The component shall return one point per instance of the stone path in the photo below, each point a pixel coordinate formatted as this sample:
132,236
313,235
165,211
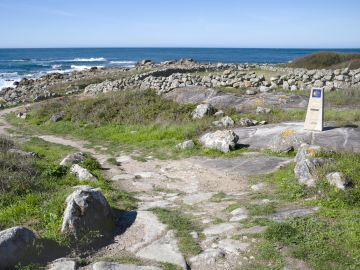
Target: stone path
203,189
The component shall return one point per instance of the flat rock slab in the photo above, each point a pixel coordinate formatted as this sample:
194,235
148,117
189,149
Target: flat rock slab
63,264
341,138
164,250
117,266
198,197
145,229
154,204
124,176
290,213
232,246
245,166
220,100
218,229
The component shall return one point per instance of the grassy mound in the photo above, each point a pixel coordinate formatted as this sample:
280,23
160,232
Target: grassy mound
329,60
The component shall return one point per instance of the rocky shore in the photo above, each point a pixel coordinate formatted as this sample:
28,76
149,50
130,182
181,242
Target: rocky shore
170,75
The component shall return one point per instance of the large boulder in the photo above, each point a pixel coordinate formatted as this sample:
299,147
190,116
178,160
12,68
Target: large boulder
222,140
306,164
81,173
17,245
202,110
87,210
74,158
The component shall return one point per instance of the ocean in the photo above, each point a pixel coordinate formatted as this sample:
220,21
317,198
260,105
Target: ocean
16,64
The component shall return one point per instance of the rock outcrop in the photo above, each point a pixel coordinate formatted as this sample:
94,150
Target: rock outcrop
222,140
186,144
87,210
202,110
17,245
74,158
81,173
339,180
306,164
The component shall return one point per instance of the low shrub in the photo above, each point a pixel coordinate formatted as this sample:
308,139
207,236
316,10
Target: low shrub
327,60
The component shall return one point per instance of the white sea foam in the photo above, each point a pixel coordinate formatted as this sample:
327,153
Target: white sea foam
92,59
56,66
80,68
7,79
6,83
56,71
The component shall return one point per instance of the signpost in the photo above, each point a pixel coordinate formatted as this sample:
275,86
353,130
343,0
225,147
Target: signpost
315,113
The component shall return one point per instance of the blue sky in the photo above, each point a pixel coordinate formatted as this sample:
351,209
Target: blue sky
185,23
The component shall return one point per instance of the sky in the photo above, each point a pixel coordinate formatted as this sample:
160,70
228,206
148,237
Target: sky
185,23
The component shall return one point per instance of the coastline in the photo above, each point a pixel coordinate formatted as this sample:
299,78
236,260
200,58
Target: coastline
169,75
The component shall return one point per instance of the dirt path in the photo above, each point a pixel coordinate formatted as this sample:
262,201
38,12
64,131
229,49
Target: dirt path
215,193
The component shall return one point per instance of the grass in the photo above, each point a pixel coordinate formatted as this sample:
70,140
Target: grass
183,226
261,209
324,243
52,184
128,121
330,238
329,60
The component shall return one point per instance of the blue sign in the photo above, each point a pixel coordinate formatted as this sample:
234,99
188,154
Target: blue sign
316,93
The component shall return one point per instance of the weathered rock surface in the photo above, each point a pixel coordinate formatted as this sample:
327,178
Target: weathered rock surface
233,246
118,266
164,250
202,110
337,138
63,264
291,213
209,256
57,117
339,180
186,144
244,166
222,140
17,245
238,214
218,229
87,210
306,164
74,158
81,173
226,121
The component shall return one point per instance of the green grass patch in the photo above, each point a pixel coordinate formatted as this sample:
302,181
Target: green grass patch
261,209
323,242
327,60
183,226
41,204
287,186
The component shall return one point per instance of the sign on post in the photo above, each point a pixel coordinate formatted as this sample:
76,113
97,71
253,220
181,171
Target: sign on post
315,113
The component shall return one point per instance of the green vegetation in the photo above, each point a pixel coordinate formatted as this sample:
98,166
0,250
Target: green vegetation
329,239
182,226
129,121
31,185
261,209
330,60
